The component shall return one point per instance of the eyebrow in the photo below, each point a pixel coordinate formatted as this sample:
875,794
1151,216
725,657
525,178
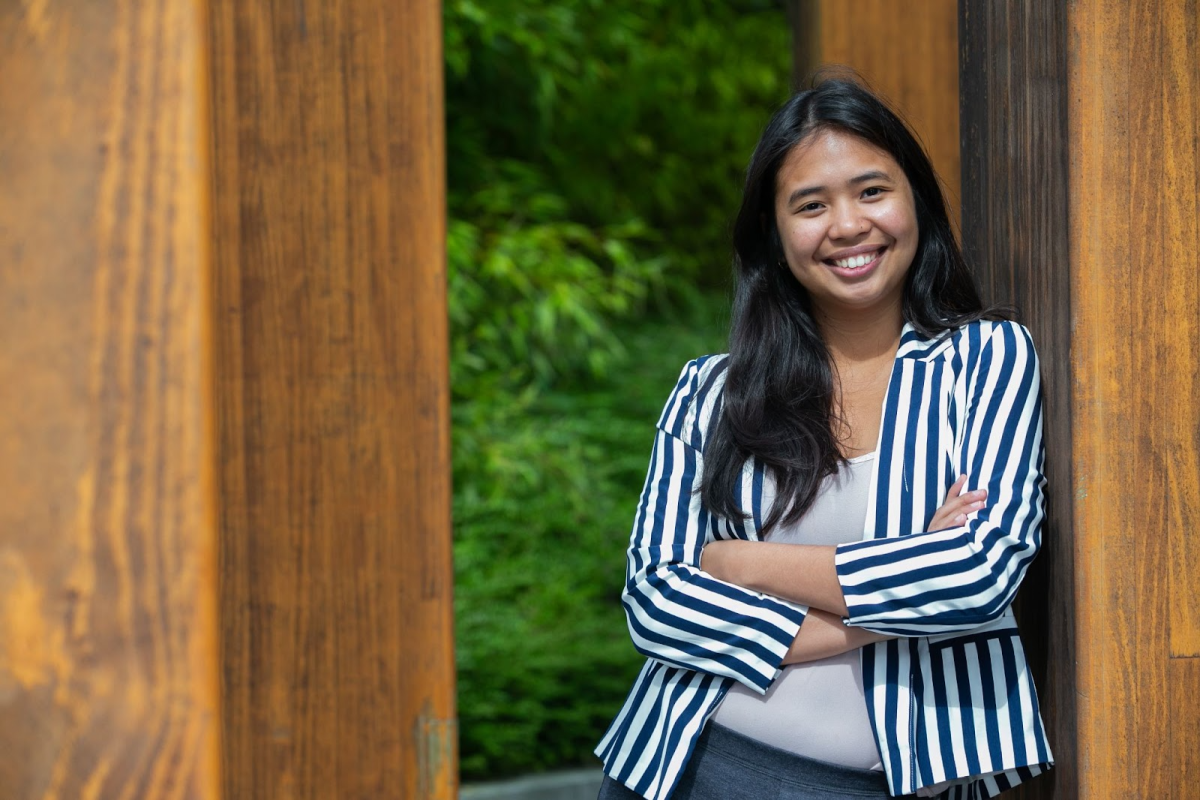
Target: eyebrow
873,175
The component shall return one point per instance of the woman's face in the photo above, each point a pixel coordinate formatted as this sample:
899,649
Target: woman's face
846,216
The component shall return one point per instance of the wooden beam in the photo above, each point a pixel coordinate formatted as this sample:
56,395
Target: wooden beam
1080,121
1134,71
108,627
332,391
1015,215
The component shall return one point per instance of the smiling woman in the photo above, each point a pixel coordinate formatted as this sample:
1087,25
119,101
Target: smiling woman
848,224
862,477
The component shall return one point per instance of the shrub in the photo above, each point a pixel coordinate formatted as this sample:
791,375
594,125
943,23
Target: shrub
595,155
542,519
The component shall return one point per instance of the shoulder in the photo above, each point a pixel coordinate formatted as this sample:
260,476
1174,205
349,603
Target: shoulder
968,345
696,397
990,336
991,330
1000,351
984,347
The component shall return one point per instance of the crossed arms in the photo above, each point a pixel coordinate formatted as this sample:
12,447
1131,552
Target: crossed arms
754,606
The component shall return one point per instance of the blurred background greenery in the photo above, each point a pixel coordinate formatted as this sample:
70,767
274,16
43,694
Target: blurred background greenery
595,152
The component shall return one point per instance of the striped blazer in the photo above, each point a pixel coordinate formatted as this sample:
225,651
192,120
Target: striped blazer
951,700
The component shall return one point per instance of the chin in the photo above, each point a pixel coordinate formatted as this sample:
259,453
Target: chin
863,303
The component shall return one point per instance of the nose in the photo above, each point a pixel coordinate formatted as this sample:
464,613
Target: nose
848,222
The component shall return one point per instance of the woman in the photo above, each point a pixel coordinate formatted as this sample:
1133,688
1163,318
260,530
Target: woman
801,642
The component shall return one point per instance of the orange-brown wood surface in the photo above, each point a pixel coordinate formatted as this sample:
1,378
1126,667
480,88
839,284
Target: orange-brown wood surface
907,50
108,648
1184,677
1134,183
332,391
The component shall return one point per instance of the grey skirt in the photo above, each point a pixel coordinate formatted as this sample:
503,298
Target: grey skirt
729,766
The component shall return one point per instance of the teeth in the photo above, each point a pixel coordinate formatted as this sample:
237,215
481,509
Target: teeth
855,261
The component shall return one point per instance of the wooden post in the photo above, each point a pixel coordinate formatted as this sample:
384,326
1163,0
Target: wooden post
283,395
332,398
1015,224
907,50
1082,205
108,627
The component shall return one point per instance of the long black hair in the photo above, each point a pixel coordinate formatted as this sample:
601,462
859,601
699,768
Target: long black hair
778,402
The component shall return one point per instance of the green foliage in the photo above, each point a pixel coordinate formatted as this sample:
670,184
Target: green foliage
543,508
626,111
595,154
532,293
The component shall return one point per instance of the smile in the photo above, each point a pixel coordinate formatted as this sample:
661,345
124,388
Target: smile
856,263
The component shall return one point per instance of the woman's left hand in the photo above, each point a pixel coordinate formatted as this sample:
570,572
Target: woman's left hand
957,506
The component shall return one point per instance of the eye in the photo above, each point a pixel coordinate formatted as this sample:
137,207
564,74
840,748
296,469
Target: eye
809,208
873,191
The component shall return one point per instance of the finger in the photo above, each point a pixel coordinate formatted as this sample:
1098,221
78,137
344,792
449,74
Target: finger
954,513
946,519
966,506
960,503
968,498
952,508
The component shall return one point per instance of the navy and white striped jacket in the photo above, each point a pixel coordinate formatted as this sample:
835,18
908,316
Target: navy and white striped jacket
952,700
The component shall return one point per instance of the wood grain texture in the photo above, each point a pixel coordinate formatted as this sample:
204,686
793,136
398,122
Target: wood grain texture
1181,167
907,50
1184,676
1105,273
332,389
1136,316
1015,221
108,648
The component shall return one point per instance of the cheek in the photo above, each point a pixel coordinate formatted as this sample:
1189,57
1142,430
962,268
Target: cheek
799,238
899,222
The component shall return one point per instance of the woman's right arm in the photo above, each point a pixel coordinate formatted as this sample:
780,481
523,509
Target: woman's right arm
823,633
676,612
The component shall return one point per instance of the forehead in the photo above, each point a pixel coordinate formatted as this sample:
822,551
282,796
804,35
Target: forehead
831,158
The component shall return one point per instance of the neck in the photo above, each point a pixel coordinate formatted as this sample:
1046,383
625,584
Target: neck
855,338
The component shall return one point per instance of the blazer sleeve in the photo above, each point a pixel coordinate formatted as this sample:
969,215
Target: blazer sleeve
676,612
959,578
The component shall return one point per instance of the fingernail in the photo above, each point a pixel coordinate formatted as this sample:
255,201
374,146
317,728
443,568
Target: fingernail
960,519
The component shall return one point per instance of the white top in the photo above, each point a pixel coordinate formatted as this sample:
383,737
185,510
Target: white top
818,709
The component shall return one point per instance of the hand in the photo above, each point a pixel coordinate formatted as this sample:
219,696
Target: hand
957,506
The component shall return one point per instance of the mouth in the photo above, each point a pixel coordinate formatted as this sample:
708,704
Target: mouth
856,264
